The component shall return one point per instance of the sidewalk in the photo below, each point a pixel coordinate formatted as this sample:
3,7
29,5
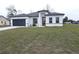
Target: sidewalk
7,28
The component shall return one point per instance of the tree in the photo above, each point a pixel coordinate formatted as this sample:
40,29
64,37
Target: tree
11,11
71,21
19,12
78,21
49,8
65,19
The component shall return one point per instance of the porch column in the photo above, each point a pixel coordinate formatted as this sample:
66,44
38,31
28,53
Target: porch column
26,22
11,22
54,20
40,20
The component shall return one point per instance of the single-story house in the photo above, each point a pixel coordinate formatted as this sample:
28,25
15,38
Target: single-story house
40,19
67,23
75,22
4,21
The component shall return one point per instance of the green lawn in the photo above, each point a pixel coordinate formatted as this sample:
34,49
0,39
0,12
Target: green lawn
45,40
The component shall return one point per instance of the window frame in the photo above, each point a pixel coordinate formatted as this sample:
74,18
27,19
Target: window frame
57,19
50,20
1,22
35,20
5,22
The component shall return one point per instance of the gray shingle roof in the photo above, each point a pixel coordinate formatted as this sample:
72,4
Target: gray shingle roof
54,14
36,14
20,15
43,11
4,17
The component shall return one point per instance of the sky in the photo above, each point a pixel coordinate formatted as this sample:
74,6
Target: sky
69,7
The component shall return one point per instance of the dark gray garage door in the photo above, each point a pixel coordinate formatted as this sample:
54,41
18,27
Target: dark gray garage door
18,22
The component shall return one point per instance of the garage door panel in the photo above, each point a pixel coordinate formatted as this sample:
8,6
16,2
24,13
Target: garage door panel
18,22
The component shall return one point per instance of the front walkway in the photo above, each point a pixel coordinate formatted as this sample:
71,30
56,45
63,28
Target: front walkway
7,28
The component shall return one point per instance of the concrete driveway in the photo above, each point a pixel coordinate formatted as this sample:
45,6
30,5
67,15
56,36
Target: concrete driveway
7,28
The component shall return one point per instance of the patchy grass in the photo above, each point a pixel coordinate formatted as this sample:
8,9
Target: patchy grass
46,40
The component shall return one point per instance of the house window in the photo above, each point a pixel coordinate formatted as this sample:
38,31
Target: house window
2,22
5,22
50,20
34,21
57,19
43,21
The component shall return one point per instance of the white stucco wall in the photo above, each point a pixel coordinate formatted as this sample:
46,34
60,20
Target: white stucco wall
41,14
54,21
11,22
27,22
31,21
4,21
39,20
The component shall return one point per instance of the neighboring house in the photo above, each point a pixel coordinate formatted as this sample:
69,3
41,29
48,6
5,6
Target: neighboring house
75,22
3,21
40,19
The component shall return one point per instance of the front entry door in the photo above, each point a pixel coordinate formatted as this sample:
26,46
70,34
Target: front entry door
43,21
